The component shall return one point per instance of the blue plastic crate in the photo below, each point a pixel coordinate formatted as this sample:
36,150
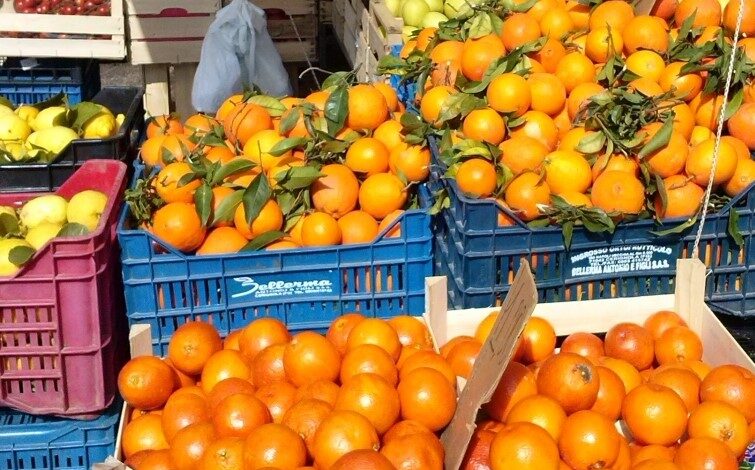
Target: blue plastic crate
305,288
41,442
407,91
482,258
79,79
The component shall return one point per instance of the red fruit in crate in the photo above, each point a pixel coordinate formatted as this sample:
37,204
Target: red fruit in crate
146,382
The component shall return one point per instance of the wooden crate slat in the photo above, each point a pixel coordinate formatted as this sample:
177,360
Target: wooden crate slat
155,7
164,52
73,24
295,51
114,48
385,18
291,7
306,26
159,28
380,44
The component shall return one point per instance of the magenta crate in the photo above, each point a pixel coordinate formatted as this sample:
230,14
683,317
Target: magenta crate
57,314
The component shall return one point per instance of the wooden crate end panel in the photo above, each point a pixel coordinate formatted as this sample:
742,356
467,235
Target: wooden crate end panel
156,7
291,7
295,51
164,52
385,18
306,27
111,49
169,28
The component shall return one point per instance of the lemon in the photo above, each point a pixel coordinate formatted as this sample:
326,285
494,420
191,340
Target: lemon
6,245
50,208
53,139
41,234
5,110
50,117
86,207
100,126
15,148
13,127
8,210
27,113
119,119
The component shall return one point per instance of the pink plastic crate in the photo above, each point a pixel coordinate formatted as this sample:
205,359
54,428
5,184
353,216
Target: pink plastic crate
57,315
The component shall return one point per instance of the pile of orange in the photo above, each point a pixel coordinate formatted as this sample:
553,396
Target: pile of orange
563,410
362,191
530,115
370,394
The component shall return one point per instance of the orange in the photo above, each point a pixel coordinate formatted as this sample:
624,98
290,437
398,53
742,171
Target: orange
661,321
615,14
579,12
678,344
585,344
199,124
540,410
228,105
391,99
540,126
403,428
483,328
683,381
516,384
357,227
222,240
699,453
377,332
525,193
433,101
589,440
654,414
446,58
411,162
267,366
323,390
645,63
340,433
556,23
318,98
508,93
278,397
182,410
259,145
477,177
151,150
742,178
519,29
571,380
190,443
427,397
548,93
743,153
388,221
462,358
647,33
686,86
164,125
373,397
305,416
575,68
700,134
626,371
335,193
630,342
367,107
538,340
223,365
739,123
424,37
178,224
580,95
175,147
145,382
670,159
618,191
411,331
610,394
422,449
191,346
269,219
244,121
320,229
366,459
707,108
603,43
485,125
143,433
226,453
522,153
652,452
731,384
551,53
523,445
219,194
645,86
260,334
615,162
731,14
683,198
387,133
576,199
310,357
339,331
567,170
432,360
274,445
368,155
707,12
369,359
478,54
226,388
684,120
381,194
700,162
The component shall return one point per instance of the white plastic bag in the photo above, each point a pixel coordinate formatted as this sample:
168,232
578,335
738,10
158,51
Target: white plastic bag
237,52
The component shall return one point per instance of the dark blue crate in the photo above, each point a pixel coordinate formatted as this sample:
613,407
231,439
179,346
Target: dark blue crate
305,288
41,442
482,258
79,79
406,91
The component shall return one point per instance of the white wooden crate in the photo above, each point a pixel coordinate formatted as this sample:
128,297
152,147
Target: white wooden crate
168,33
111,28
291,7
346,27
382,29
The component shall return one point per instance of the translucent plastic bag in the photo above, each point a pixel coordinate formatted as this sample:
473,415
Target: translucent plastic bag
237,52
